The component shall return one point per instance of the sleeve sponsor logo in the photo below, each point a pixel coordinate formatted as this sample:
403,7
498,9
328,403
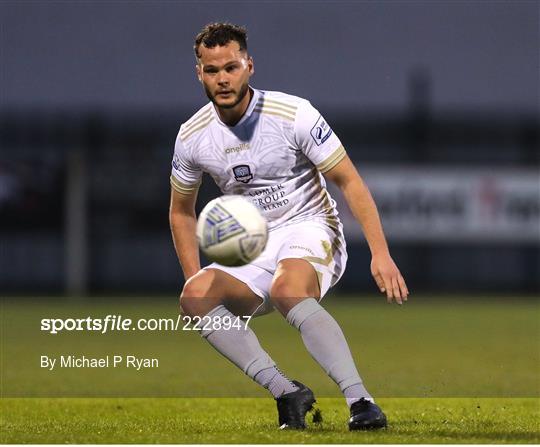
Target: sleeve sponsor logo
176,162
321,131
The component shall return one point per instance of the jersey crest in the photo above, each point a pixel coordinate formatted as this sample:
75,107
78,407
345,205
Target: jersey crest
242,173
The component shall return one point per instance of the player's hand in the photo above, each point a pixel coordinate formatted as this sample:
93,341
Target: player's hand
388,278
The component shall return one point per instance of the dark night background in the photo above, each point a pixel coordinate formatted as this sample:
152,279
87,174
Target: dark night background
93,94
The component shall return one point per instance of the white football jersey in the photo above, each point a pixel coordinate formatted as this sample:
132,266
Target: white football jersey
274,156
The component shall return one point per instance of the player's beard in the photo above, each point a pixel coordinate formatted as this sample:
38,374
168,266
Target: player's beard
239,97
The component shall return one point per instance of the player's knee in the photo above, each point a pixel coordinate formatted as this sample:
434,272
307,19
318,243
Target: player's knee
195,297
287,286
282,288
194,287
288,290
284,295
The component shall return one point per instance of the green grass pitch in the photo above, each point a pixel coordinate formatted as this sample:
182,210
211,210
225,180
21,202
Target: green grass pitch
253,420
445,370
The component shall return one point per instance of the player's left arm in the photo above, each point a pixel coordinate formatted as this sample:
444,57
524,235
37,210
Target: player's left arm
383,268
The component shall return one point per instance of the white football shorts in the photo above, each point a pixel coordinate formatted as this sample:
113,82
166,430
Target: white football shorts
321,245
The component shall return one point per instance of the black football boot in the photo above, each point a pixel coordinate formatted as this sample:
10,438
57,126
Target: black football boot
292,407
365,415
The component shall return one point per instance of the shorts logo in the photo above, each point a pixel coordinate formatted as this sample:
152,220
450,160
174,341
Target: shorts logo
321,131
242,173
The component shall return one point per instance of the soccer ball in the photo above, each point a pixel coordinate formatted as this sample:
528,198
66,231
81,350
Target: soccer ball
231,231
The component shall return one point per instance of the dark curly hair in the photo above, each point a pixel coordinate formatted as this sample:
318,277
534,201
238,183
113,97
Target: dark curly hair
221,34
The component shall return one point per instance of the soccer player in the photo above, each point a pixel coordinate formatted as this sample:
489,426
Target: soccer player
278,151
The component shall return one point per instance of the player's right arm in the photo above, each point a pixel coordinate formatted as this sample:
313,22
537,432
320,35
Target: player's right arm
183,222
185,180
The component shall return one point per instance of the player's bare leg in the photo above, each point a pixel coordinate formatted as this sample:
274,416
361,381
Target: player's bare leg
295,292
294,281
210,288
213,294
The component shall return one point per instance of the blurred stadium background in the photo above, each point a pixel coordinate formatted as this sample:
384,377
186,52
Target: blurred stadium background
437,104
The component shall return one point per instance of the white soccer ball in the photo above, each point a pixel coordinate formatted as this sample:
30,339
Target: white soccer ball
231,231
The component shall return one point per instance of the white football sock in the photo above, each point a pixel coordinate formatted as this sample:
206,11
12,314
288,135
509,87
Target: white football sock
326,343
241,347
275,382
